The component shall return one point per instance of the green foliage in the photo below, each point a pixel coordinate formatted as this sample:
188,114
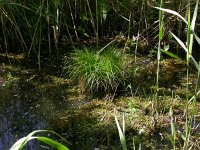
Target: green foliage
38,26
22,142
121,132
188,48
99,71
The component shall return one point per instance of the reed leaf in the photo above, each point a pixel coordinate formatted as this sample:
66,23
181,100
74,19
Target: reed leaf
171,54
191,27
180,42
172,12
197,38
121,133
21,142
186,50
194,17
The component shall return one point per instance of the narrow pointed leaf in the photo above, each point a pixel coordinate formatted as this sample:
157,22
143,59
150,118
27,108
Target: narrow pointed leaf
58,146
172,12
197,38
121,135
189,35
194,16
21,142
18,144
195,62
180,42
171,54
123,125
192,26
52,143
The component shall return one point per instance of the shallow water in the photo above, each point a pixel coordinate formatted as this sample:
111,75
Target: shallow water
17,119
26,109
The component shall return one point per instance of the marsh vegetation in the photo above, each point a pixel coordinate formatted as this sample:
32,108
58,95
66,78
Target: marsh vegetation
103,74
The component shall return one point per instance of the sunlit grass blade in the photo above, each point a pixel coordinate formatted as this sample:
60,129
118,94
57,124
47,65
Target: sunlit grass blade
171,54
21,142
186,50
121,133
197,38
159,46
192,26
194,17
52,143
172,12
180,42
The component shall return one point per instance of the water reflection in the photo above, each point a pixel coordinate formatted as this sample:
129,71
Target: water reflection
17,119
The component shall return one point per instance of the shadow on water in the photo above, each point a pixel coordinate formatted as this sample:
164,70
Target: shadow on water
25,108
17,119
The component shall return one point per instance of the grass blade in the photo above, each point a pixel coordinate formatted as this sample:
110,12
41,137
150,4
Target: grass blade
186,50
180,42
197,38
191,27
121,134
172,12
171,54
58,146
194,16
21,142
52,143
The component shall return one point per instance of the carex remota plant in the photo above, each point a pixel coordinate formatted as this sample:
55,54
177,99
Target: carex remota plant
99,72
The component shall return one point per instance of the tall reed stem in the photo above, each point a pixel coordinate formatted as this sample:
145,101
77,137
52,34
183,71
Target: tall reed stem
97,23
159,47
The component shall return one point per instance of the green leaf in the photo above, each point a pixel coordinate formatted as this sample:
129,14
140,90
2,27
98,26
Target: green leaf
21,142
52,143
171,54
172,12
180,42
121,133
197,38
192,26
195,63
166,47
105,10
186,50
189,36
46,140
194,16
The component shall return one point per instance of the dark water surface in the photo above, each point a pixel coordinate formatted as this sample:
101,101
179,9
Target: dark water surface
23,109
17,118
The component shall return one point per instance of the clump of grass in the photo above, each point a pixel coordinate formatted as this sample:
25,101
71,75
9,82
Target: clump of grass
97,72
